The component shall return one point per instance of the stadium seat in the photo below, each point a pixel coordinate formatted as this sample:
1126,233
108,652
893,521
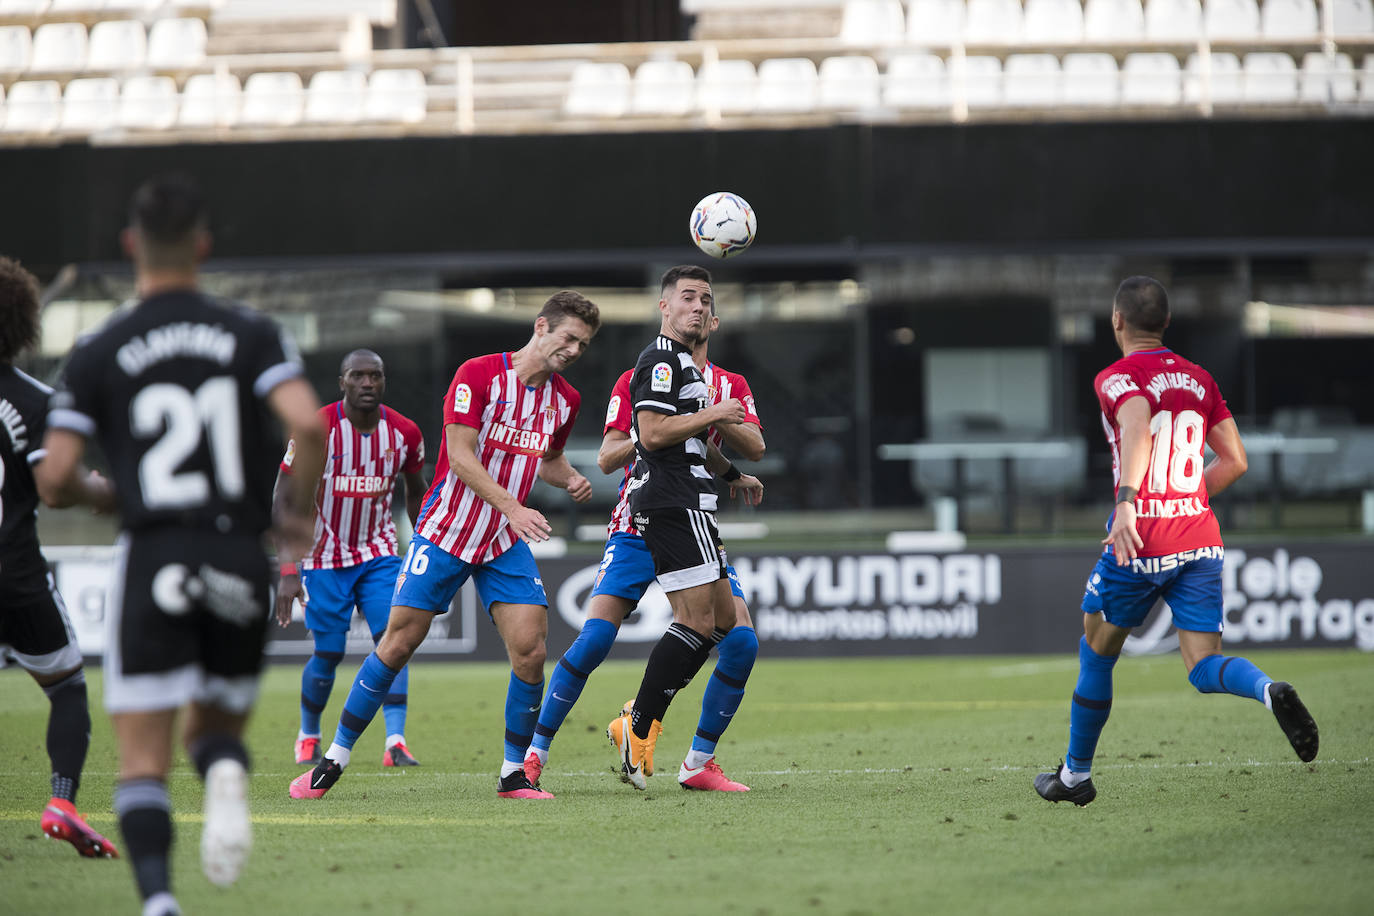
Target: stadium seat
1031,79
1052,22
1354,17
992,22
1173,20
1289,19
598,90
982,81
872,22
117,44
33,107
1271,77
398,96
1225,85
1367,79
935,22
787,84
74,7
210,100
1113,20
176,43
335,97
1232,19
141,5
849,83
1325,80
148,103
16,48
23,9
1089,79
274,99
727,86
1150,78
59,46
90,104
916,81
663,87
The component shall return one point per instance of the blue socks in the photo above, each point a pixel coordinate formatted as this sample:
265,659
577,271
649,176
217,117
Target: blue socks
1092,704
588,651
394,703
725,688
317,680
522,711
1229,674
373,684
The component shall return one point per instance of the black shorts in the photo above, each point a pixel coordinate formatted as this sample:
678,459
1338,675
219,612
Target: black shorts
34,628
685,545
187,620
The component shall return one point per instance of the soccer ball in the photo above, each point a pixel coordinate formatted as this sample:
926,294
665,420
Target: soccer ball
723,224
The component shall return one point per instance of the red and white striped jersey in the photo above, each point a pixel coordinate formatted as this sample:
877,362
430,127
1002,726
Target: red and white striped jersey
353,503
722,385
1172,511
516,427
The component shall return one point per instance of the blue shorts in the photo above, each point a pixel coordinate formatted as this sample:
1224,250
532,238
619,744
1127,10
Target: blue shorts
627,569
432,576
1190,581
330,595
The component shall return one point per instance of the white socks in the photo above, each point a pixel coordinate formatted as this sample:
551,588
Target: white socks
339,755
508,768
697,759
541,753
393,740
1268,700
1070,778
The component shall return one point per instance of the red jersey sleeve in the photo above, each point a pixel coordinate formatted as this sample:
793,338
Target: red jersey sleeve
415,446
618,407
1114,386
467,393
740,389
570,394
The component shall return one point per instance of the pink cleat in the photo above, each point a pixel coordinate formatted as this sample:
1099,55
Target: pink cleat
61,822
308,751
398,755
708,777
317,781
533,767
517,785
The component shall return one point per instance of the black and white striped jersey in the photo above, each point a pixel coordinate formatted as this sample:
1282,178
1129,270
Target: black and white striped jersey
23,410
666,381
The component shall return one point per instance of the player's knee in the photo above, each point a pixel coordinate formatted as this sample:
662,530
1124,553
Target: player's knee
739,650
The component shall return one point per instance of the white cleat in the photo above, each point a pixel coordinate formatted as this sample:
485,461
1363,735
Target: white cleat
228,832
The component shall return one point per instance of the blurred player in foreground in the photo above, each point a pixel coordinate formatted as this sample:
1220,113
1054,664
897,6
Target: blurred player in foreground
180,391
34,628
507,417
627,569
353,562
1159,410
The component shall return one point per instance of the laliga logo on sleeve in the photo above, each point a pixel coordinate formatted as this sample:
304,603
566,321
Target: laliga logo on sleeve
290,453
462,399
661,379
613,409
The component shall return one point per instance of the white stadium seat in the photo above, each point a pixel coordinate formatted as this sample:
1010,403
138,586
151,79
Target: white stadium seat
916,80
59,7
398,96
1052,22
174,43
935,22
1225,84
272,99
982,81
872,22
1150,78
598,90
1113,20
1237,19
90,105
1271,77
116,44
1173,20
1367,79
59,46
1326,79
1289,19
1354,17
787,84
210,100
148,103
25,9
335,97
849,83
33,107
727,86
663,87
1031,79
992,22
16,48
1089,79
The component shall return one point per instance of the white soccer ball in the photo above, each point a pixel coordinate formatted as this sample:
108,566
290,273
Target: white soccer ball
723,224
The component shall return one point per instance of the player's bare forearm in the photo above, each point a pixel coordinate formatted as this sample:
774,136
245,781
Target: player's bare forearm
415,485
463,461
58,476
1134,420
617,451
1230,462
657,430
745,438
716,462
557,471
295,405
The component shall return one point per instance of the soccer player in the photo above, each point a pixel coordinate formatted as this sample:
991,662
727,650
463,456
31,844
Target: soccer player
627,569
672,498
1159,410
179,391
34,628
353,562
507,417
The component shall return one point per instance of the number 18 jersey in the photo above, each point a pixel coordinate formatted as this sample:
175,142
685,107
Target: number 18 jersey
1172,511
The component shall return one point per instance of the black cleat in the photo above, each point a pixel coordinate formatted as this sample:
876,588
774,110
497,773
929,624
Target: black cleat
1294,719
518,785
1052,788
314,783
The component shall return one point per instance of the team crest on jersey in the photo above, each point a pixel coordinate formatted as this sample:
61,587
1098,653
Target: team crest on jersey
551,409
462,399
661,378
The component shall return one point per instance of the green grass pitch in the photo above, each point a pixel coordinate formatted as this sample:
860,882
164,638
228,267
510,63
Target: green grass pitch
879,786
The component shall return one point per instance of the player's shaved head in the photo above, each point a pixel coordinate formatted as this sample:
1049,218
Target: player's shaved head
361,355
668,282
1143,304
18,310
168,215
